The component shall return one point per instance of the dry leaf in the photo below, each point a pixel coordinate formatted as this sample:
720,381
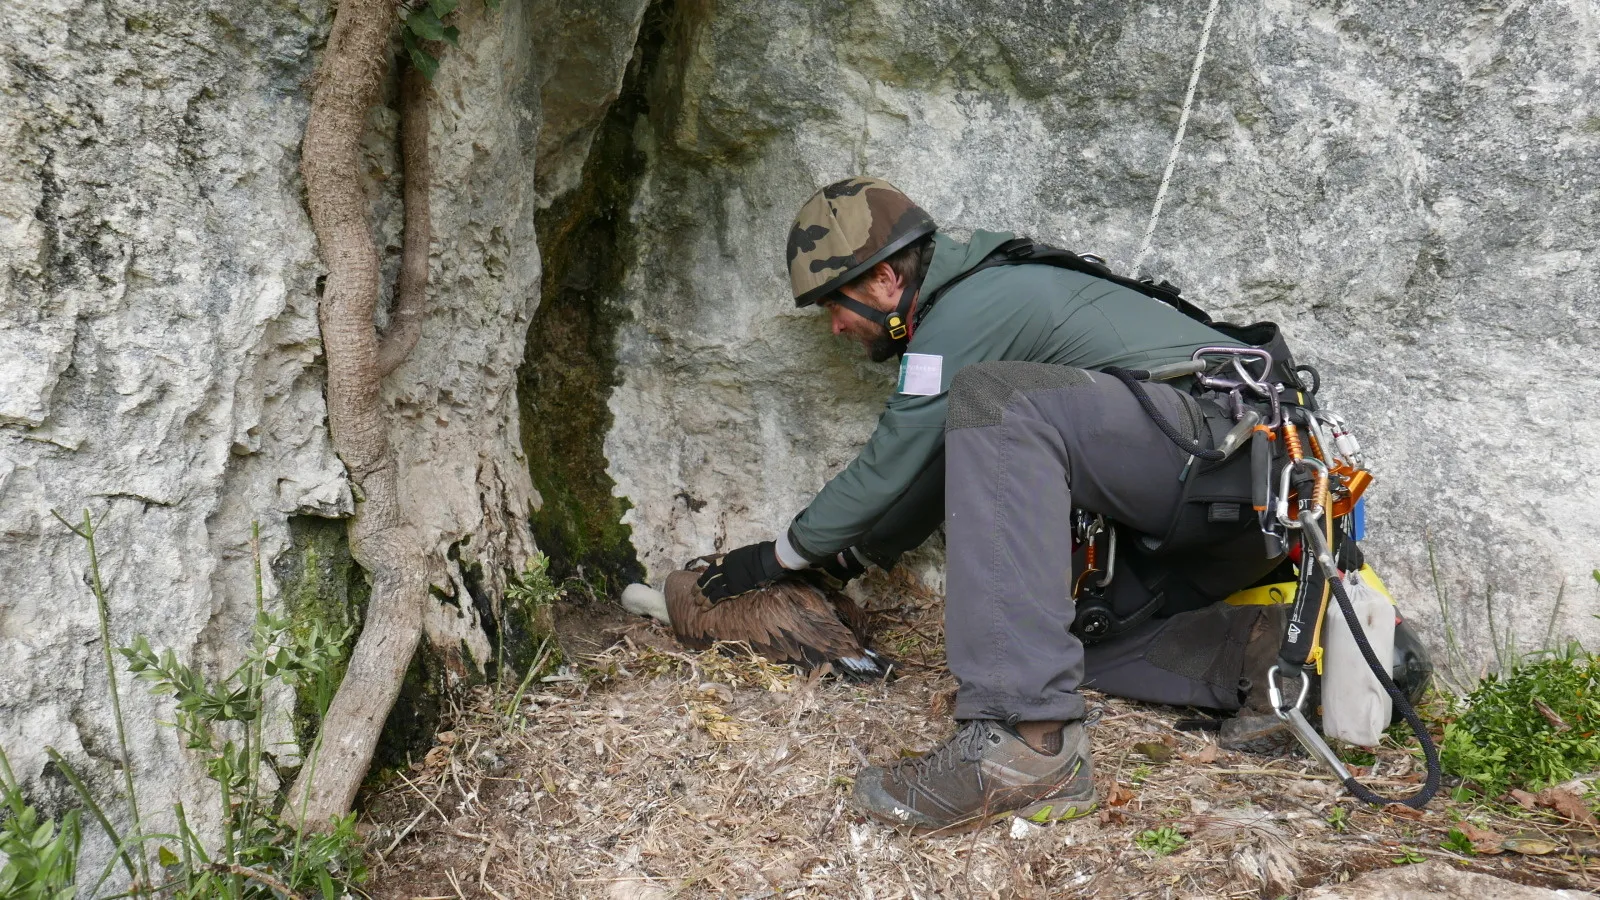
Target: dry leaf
1154,751
1567,805
713,690
1474,833
1109,816
1524,799
435,757
1404,812
1119,796
1204,756
715,722
446,737
1550,716
1530,846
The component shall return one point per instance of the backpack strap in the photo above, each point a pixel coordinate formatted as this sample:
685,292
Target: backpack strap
1025,251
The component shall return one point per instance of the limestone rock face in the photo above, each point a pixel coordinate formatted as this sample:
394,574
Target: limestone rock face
160,351
160,357
1412,193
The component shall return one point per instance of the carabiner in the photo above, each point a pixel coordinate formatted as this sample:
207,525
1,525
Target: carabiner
1320,473
1111,559
1303,732
1275,694
1237,356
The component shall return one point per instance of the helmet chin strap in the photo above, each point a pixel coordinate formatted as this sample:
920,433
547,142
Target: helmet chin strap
897,322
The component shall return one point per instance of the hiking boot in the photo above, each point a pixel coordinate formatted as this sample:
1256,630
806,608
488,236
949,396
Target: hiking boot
984,772
1256,728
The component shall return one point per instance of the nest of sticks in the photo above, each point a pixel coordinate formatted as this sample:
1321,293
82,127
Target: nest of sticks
645,773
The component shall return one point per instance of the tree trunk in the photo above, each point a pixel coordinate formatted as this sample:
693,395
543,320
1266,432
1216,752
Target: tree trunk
346,87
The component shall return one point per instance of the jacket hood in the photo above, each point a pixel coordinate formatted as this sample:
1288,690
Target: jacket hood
951,257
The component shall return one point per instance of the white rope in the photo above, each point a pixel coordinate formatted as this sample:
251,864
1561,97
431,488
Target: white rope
1177,140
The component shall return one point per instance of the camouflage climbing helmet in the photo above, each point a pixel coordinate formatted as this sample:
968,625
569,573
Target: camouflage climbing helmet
845,229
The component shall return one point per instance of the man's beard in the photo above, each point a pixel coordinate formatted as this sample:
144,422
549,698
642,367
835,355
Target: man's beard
882,347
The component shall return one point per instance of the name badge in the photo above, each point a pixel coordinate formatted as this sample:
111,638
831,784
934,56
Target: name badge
921,374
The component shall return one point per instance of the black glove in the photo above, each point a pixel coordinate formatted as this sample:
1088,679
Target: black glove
843,565
740,570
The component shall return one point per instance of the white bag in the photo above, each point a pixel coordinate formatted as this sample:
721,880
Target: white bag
1355,707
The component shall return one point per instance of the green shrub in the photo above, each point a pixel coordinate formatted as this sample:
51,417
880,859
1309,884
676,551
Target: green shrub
1532,727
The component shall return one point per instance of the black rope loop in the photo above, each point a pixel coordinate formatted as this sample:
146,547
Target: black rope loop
1192,447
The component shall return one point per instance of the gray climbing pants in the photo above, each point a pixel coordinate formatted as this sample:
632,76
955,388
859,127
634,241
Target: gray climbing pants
1025,443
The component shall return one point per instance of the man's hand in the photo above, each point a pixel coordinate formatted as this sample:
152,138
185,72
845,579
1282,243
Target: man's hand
843,565
741,570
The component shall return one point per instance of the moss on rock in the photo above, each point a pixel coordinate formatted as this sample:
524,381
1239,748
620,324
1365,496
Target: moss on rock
570,365
322,585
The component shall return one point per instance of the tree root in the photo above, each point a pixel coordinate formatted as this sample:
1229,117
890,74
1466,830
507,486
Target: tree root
347,85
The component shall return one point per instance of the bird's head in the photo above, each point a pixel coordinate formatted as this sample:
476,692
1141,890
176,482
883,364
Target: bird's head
644,600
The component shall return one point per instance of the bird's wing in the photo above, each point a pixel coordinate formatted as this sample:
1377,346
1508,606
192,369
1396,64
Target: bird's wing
852,615
789,621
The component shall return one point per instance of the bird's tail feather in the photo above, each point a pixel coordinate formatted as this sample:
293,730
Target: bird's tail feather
870,666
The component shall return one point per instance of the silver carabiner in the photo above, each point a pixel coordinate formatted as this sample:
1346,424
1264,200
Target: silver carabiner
1308,737
1282,510
1111,558
1275,694
1237,356
1325,446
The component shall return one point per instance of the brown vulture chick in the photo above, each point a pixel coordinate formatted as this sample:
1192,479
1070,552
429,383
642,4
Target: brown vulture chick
795,620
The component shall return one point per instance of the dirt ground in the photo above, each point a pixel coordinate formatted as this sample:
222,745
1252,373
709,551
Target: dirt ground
641,772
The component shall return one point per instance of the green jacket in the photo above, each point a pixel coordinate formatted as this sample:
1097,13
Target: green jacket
1034,313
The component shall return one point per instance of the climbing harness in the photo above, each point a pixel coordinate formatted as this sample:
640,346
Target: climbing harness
1297,497
1270,400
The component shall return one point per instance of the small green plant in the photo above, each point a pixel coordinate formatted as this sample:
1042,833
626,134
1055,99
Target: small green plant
1339,819
534,588
1533,726
1458,842
1139,775
535,593
425,22
1355,756
1408,856
221,720
41,854
1160,841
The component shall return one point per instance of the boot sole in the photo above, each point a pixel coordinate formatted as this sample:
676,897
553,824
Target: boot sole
1044,812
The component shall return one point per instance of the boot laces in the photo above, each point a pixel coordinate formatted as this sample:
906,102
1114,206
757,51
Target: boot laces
965,746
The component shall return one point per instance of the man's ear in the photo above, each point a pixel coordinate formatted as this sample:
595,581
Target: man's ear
887,276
